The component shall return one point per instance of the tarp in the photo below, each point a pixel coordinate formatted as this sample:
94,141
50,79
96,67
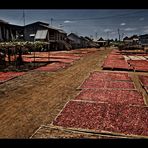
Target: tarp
41,34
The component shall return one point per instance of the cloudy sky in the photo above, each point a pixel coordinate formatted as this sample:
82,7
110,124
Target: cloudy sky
96,23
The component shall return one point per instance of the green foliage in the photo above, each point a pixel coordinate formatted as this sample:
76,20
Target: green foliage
36,44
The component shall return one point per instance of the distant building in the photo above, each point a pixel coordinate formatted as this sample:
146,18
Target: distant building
80,41
101,42
92,43
143,39
84,42
74,40
133,40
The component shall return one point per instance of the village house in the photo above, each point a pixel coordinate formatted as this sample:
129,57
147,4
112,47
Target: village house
40,31
30,31
133,40
101,42
74,40
10,32
80,41
90,42
143,39
37,31
84,42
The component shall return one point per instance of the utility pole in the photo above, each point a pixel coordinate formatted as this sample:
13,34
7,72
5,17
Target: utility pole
24,17
119,33
122,35
107,35
96,35
51,21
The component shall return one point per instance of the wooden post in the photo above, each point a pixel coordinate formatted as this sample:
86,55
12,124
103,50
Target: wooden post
5,58
34,57
15,54
48,52
8,50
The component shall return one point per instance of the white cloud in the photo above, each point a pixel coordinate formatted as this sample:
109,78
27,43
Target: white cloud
113,32
146,27
145,31
67,21
123,24
141,19
107,30
130,29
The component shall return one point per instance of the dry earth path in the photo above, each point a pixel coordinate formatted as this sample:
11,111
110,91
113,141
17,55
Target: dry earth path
35,99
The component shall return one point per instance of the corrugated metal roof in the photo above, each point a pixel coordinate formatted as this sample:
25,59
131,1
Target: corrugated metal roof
73,35
41,34
38,22
2,21
62,31
57,29
49,27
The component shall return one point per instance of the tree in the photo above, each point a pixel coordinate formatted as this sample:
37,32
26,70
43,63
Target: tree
116,39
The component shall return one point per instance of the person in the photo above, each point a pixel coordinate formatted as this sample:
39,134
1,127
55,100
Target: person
2,57
19,58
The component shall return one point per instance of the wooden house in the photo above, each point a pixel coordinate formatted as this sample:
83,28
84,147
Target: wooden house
101,42
10,32
74,40
40,31
133,40
143,40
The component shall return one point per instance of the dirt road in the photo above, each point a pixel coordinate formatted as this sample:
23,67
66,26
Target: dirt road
36,98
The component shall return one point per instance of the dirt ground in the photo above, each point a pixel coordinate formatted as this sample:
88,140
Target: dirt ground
35,99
